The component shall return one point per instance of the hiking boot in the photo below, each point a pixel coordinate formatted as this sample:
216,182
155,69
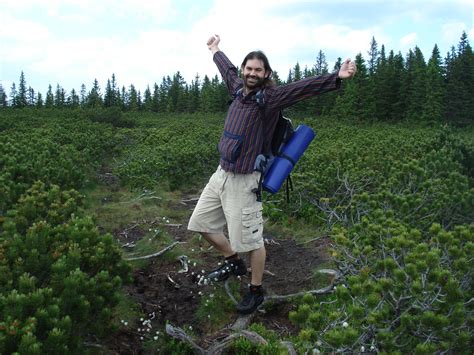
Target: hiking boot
229,267
251,300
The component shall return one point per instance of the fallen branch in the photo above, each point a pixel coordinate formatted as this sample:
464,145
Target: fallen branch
321,291
217,348
155,254
180,334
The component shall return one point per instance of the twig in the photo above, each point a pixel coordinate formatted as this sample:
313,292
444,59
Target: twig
155,254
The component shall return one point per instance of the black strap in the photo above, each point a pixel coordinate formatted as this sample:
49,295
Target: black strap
289,184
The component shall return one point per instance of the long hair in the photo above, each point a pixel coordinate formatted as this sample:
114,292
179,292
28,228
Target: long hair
268,81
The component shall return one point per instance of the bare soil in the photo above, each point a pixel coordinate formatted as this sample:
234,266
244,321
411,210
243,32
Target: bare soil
166,294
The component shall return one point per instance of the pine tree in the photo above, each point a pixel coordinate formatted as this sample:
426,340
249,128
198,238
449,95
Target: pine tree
147,99
321,66
39,100
3,97
395,72
49,103
156,98
111,93
31,97
353,103
433,105
176,94
297,74
13,96
194,100
381,86
414,84
206,93
82,96
22,99
459,103
94,99
132,102
59,97
373,57
74,100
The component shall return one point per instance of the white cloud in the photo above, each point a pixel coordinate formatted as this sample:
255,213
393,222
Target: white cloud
409,40
451,32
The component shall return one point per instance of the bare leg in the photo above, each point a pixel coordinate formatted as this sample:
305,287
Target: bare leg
220,242
257,262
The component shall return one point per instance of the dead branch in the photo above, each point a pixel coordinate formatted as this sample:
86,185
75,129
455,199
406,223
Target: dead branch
321,291
218,347
155,254
147,195
180,334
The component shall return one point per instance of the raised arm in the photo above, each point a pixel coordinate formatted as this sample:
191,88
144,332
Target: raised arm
213,44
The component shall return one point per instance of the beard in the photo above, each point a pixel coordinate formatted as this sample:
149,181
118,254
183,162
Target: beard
252,82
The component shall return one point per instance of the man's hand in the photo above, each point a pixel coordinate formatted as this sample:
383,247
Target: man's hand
213,42
347,70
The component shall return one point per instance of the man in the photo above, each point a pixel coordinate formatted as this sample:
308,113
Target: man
229,197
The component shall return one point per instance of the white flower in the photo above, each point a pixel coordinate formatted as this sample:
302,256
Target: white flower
362,349
125,323
345,324
190,327
372,347
155,337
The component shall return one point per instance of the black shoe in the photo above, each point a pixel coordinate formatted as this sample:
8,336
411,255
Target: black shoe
229,267
251,301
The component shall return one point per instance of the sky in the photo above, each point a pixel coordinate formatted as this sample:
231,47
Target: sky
73,42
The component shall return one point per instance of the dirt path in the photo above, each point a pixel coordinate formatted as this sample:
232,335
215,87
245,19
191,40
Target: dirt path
167,294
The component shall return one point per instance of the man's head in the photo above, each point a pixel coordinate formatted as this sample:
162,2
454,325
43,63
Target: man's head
256,70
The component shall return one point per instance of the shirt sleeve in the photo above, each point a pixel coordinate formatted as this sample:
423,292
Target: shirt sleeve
280,97
228,72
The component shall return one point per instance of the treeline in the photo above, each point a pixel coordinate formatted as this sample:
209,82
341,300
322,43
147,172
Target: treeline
388,86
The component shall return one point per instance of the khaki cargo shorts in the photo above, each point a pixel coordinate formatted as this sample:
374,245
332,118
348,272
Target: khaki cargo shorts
228,198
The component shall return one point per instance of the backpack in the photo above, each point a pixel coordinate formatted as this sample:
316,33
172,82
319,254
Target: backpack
282,134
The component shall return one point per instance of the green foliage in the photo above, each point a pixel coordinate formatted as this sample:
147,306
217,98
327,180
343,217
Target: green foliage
59,278
181,153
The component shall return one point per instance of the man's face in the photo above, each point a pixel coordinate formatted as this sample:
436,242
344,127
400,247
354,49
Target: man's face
254,73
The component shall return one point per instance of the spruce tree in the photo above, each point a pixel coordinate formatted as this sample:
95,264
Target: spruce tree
3,97
73,100
49,103
94,98
353,103
22,99
156,98
194,100
147,99
59,97
459,103
13,96
433,105
132,102
373,57
31,96
82,95
39,100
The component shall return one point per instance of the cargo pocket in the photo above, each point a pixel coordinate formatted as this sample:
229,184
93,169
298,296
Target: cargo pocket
252,224
230,147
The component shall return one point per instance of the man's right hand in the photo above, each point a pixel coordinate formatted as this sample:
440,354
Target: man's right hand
213,42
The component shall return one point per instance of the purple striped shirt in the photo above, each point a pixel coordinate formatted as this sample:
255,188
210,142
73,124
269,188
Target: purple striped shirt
242,139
